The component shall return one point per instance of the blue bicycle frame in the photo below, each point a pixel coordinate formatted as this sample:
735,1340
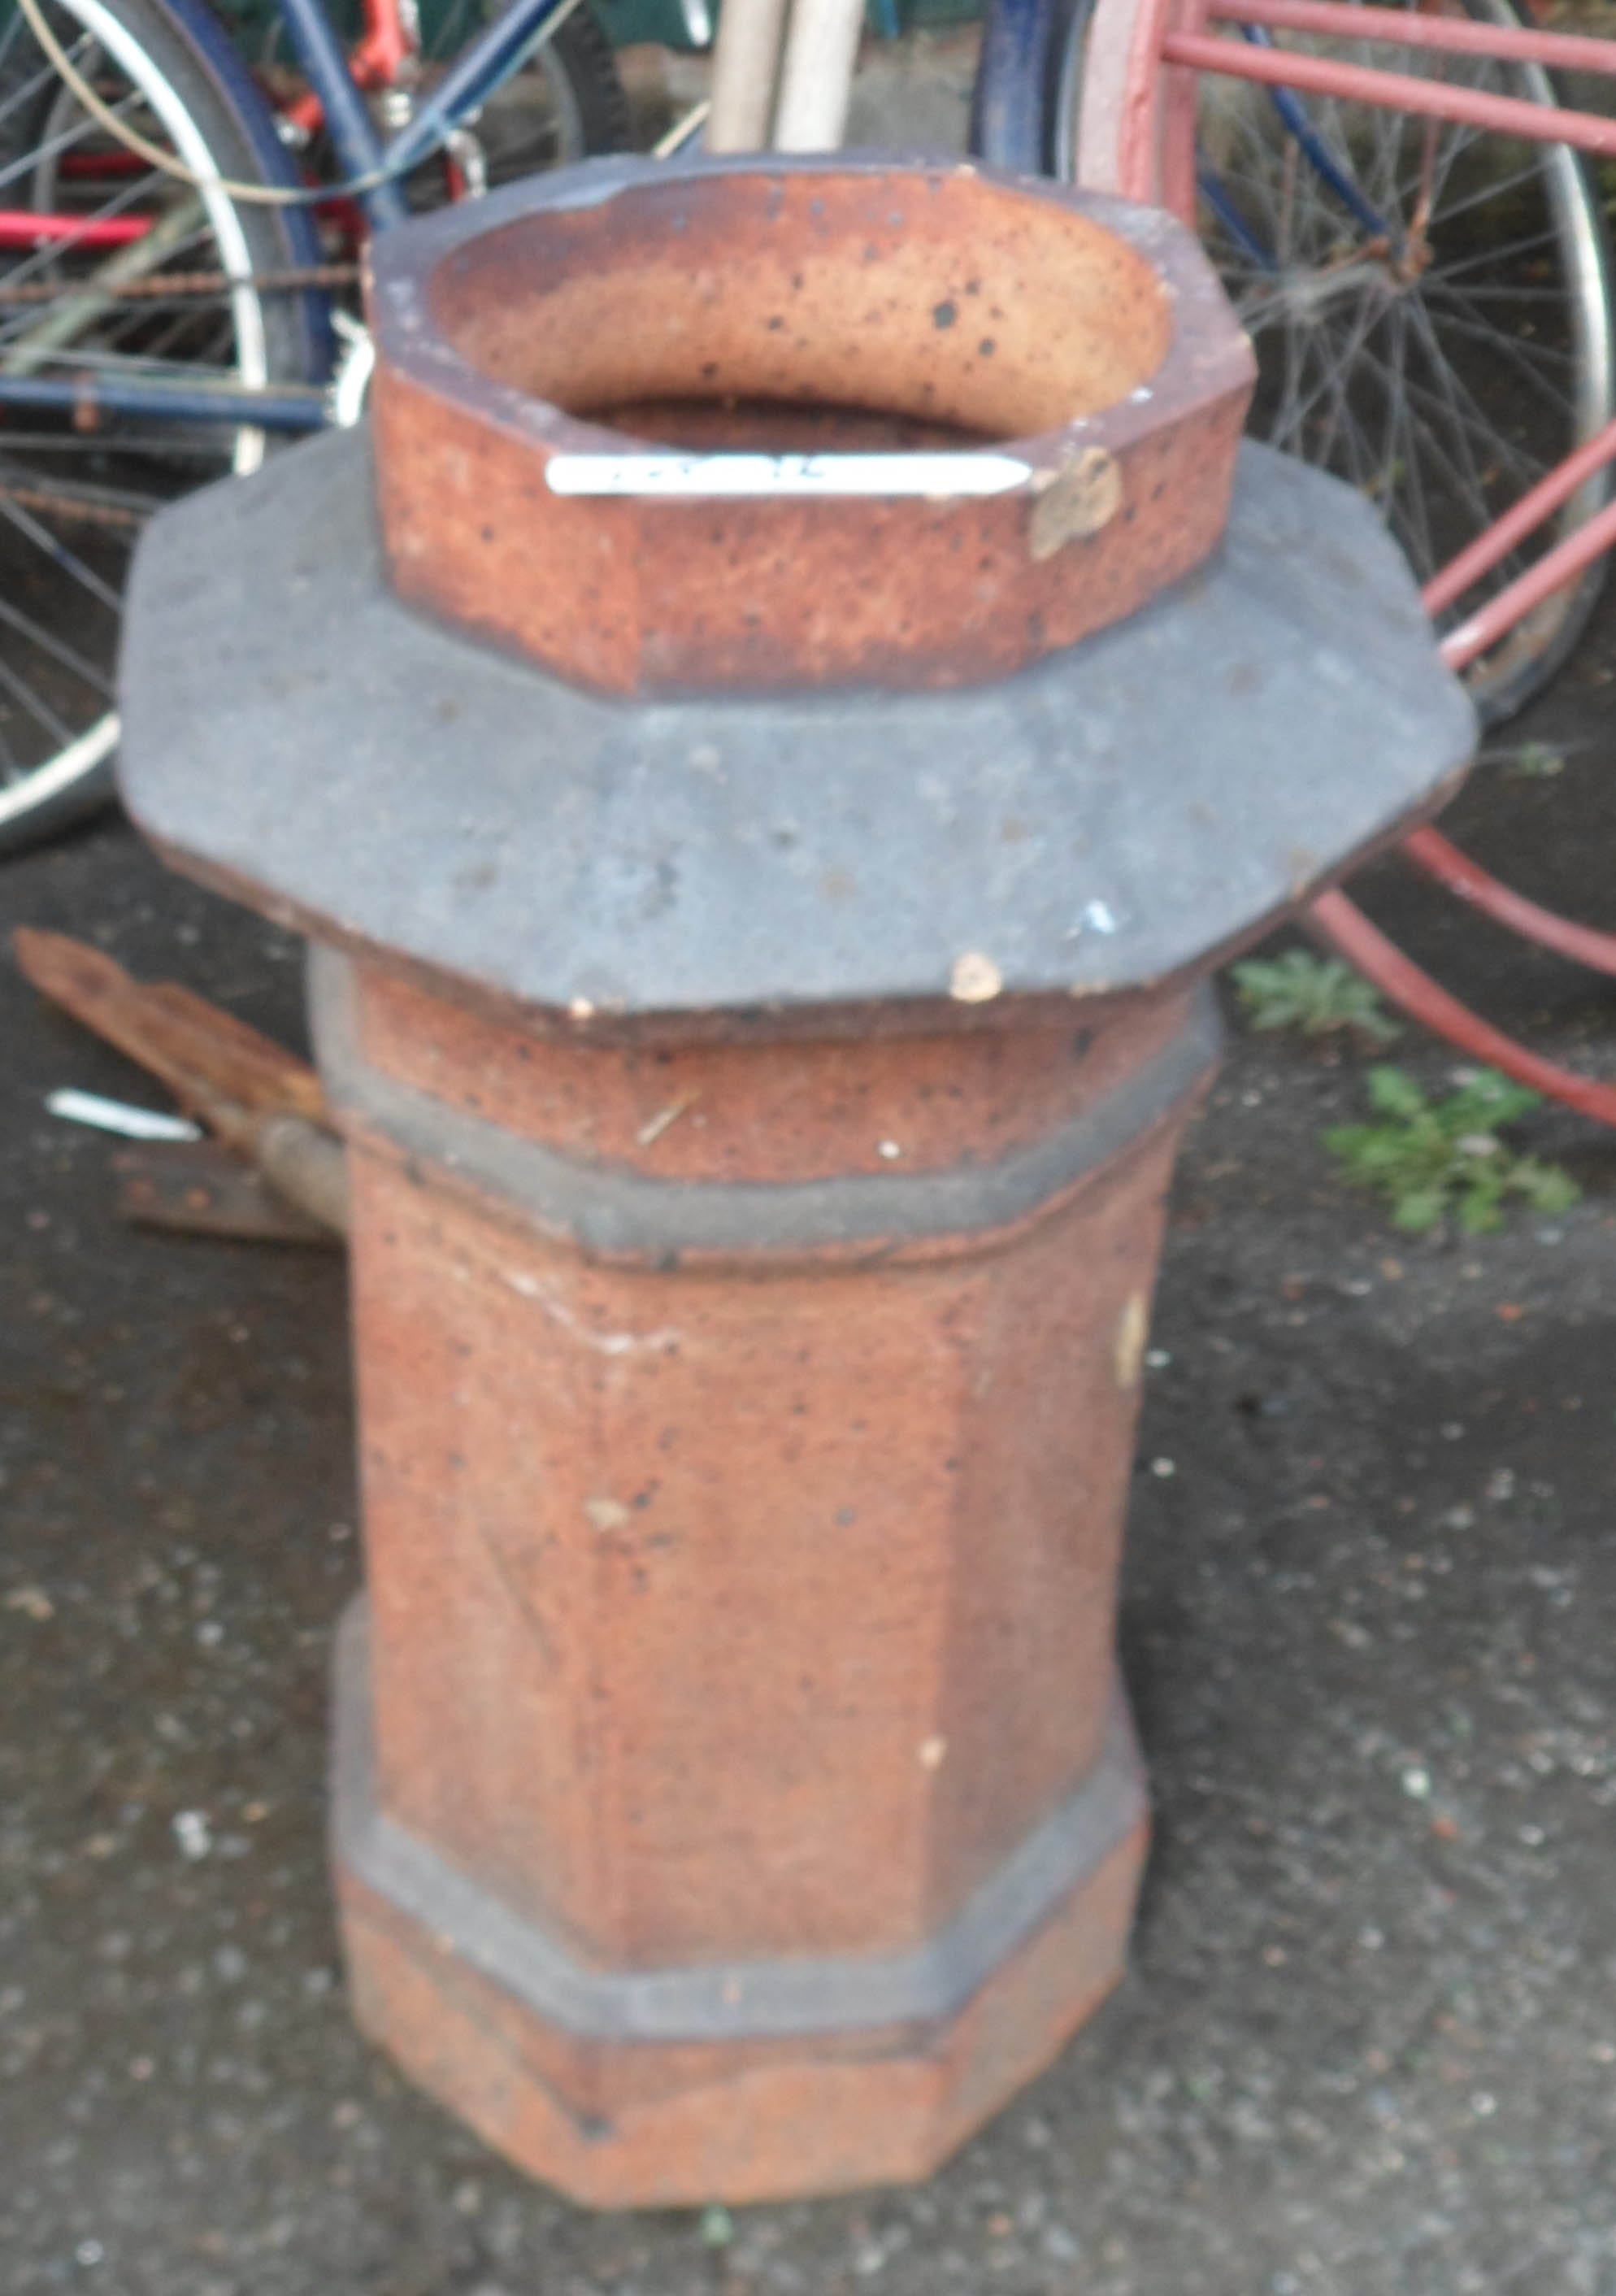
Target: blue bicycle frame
474,76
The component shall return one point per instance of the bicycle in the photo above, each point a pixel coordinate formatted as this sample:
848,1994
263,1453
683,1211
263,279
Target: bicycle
1312,170
1430,296
176,247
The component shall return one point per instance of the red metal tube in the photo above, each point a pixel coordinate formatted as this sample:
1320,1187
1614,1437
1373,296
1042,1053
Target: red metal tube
1349,932
1583,943
99,167
1430,851
1426,848
1529,514
1400,27
1500,615
1125,85
23,227
305,112
385,49
1508,115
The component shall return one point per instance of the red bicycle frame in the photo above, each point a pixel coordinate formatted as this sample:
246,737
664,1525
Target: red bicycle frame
388,54
1137,138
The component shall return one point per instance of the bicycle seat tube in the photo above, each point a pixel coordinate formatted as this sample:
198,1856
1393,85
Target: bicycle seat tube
347,115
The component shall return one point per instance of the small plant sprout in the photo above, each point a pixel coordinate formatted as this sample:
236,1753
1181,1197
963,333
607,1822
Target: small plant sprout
1538,761
1430,1158
1316,995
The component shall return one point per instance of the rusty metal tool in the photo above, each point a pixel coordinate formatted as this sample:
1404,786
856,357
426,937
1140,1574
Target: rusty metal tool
259,1101
199,1188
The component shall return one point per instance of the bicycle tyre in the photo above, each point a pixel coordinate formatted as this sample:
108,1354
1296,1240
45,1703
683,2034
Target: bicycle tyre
71,501
581,67
1527,423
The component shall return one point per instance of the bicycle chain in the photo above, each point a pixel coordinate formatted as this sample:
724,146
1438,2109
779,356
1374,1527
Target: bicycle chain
176,284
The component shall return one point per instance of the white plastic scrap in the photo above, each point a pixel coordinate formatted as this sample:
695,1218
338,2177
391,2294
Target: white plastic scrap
118,1116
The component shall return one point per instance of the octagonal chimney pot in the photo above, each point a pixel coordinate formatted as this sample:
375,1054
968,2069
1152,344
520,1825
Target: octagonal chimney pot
769,748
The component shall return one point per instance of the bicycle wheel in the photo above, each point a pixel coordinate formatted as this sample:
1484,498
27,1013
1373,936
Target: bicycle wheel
75,491
1430,303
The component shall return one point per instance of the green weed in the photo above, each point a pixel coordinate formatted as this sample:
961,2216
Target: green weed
1314,995
1430,1158
1537,761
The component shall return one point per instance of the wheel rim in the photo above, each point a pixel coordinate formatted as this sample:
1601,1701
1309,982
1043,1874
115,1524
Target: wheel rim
72,503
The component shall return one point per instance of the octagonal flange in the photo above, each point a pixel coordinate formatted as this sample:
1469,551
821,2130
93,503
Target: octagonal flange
1110,817
907,335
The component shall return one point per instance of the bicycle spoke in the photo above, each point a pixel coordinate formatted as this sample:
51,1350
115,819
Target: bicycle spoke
58,552
82,130
90,360
1527,364
1393,465
456,26
1550,298
56,252
1493,192
28,92
40,711
1467,425
1332,352
1460,402
58,649
124,503
56,442
1401,497
1475,417
1341,444
1537,244
1448,436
